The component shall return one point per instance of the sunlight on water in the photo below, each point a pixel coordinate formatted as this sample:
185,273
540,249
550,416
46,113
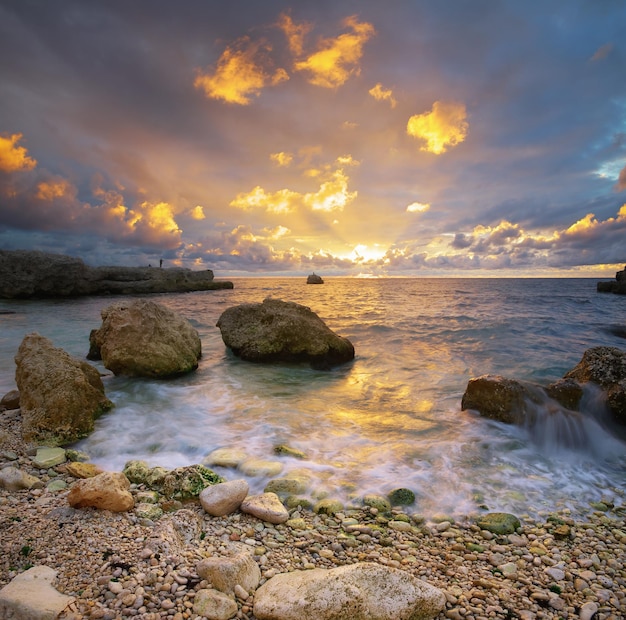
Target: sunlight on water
389,419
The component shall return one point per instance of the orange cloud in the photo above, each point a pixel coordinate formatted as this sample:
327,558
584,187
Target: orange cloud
56,188
12,157
332,195
444,126
602,52
281,159
337,59
295,33
239,75
383,94
197,213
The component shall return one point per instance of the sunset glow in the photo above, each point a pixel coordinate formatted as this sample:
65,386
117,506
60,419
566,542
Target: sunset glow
283,139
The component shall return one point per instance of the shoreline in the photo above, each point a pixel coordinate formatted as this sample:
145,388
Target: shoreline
122,565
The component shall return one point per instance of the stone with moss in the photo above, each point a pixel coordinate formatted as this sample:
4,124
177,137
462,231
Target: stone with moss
294,501
401,497
377,501
498,523
284,450
328,506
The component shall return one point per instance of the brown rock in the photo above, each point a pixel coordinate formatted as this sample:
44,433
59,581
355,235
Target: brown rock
60,396
227,571
107,491
11,400
145,339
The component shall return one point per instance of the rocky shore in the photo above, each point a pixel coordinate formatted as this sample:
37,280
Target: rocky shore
26,274
617,286
124,564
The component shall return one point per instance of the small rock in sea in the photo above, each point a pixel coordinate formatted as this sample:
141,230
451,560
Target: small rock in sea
266,506
223,499
225,457
328,506
260,467
377,501
401,497
289,485
284,450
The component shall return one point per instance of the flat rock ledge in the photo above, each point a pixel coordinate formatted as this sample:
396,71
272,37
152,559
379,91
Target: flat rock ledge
25,274
617,286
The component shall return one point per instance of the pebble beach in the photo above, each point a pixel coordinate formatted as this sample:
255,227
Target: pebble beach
119,565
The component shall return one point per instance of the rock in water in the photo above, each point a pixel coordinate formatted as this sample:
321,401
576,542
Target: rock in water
362,591
60,396
276,330
314,279
145,339
606,367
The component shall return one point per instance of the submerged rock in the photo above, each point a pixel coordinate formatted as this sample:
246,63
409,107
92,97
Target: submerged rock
362,591
145,339
25,274
280,331
498,523
60,396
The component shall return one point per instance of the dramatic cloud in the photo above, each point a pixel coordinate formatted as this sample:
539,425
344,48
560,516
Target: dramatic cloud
197,213
240,74
13,157
337,59
444,126
295,33
383,94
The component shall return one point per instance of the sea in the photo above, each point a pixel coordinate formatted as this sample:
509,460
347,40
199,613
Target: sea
389,419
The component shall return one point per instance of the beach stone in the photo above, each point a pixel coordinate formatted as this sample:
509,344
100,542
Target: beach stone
82,470
328,506
280,331
106,491
148,510
401,497
606,367
237,567
31,596
11,400
60,396
377,501
14,479
142,338
361,591
225,457
266,506
49,457
284,450
261,467
175,532
588,610
224,498
288,485
498,523
214,605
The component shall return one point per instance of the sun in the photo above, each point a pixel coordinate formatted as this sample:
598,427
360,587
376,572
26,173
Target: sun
367,253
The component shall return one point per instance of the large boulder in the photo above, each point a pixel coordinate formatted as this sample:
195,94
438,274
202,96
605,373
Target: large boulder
277,330
362,591
60,396
141,338
106,491
617,286
606,367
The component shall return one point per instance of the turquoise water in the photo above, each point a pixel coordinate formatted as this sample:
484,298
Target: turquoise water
390,418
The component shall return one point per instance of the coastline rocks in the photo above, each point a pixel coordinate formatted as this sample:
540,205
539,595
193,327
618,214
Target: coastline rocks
498,523
214,605
314,279
223,498
280,331
361,591
60,396
31,596
617,286
606,367
180,484
25,274
145,339
266,506
106,491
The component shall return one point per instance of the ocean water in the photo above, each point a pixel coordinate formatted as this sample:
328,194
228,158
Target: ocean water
392,417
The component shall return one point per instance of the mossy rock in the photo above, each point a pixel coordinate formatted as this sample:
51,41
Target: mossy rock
284,450
498,523
401,497
293,501
328,507
377,501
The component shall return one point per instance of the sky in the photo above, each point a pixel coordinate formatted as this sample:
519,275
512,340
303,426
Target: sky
361,138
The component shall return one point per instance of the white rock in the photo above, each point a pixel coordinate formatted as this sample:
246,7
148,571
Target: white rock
14,479
266,506
362,591
30,596
214,605
588,610
227,571
556,573
222,499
